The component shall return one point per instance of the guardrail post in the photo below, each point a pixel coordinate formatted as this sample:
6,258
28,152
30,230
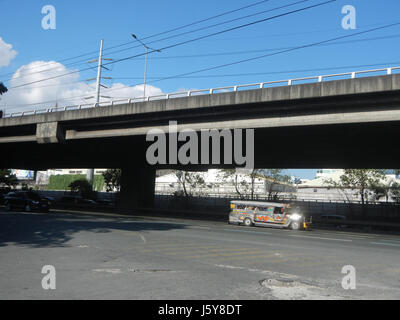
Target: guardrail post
167,96
211,91
261,85
353,75
289,82
235,88
320,79
389,70
189,93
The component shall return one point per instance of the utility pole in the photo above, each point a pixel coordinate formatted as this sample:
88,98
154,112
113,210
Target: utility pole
90,172
98,82
145,62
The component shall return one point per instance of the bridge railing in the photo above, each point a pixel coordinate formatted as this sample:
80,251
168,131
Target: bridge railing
191,93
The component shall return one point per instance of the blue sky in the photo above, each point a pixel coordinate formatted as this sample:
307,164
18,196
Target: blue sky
81,24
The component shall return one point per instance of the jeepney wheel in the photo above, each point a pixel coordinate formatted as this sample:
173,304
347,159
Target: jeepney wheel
295,225
247,222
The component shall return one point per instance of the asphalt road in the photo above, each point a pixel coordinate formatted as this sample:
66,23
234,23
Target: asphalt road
119,257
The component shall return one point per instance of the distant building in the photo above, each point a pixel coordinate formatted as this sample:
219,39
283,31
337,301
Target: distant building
320,188
42,177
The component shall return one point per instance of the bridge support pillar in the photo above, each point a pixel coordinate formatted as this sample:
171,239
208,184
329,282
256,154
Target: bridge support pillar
137,187
49,132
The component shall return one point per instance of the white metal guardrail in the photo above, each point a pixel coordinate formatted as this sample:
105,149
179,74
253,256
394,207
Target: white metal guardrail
190,93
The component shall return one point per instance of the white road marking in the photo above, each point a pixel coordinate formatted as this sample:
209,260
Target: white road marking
200,227
142,237
246,231
386,244
322,238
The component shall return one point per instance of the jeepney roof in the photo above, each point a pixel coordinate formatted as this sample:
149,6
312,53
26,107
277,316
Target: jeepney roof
260,203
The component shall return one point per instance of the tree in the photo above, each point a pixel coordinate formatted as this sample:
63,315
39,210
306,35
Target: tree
237,179
7,178
361,180
273,179
395,190
3,88
192,182
112,179
244,181
82,187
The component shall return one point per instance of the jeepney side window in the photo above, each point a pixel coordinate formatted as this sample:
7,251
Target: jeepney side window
277,210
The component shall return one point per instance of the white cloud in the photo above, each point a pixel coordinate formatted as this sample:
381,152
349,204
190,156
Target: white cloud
63,91
6,53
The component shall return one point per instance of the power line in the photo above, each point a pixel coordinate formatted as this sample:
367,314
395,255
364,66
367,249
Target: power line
177,35
206,19
221,54
271,72
242,61
279,52
186,41
148,37
268,49
217,24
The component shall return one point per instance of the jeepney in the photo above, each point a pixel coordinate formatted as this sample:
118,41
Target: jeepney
268,214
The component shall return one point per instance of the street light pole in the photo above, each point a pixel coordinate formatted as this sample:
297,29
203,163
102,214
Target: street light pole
145,61
145,72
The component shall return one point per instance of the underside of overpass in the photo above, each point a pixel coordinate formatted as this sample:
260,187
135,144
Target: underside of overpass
371,145
365,145
340,124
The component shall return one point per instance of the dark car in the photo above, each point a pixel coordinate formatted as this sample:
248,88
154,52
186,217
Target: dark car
332,219
26,200
75,201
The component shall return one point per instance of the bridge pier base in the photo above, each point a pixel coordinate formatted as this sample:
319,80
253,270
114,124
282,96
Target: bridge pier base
137,187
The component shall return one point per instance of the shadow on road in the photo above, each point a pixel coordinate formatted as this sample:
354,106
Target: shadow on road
55,230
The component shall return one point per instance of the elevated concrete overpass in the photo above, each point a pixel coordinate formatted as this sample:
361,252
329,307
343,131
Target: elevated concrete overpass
336,124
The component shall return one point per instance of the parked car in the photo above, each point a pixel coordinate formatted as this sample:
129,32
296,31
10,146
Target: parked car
3,193
332,219
26,200
75,201
105,202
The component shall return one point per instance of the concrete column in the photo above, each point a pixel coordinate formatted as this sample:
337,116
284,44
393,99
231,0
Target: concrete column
137,187
49,132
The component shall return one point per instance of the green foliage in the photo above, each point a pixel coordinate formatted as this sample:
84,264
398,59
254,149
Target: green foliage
244,181
112,179
62,182
82,187
7,178
361,180
3,88
191,182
